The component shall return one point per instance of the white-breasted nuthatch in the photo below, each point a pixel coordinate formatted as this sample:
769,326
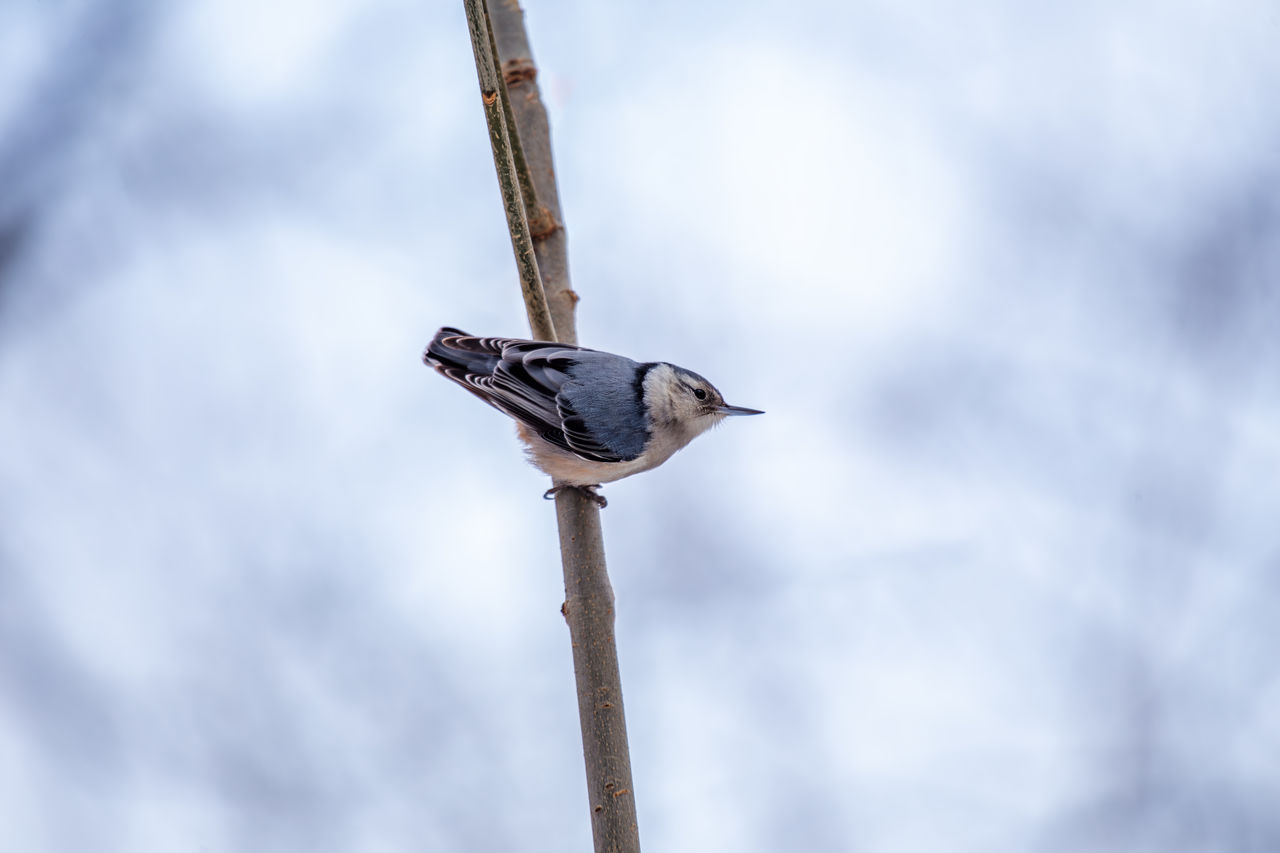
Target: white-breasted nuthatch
588,417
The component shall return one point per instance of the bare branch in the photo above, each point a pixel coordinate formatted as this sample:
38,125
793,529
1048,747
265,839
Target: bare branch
521,138
503,141
549,238
588,608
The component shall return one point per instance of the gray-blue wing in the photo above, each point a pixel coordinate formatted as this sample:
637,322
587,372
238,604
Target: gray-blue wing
601,407
533,382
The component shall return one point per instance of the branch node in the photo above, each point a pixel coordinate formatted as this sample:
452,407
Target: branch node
519,70
489,97
542,223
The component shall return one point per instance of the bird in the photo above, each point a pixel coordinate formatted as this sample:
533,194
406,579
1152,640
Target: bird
587,417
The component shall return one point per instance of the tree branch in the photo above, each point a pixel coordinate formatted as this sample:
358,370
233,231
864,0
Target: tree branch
549,238
588,609
527,177
504,141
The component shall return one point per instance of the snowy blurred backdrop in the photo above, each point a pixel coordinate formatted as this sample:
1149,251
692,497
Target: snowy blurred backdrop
998,571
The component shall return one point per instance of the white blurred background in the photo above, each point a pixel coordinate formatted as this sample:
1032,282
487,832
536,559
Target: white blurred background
998,571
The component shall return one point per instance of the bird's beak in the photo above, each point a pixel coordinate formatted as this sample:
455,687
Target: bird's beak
736,410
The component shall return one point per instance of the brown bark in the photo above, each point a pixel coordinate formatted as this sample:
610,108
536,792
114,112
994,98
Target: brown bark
521,140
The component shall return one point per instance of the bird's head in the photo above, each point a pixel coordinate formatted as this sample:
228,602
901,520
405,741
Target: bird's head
684,400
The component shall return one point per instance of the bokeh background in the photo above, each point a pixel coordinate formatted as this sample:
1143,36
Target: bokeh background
998,571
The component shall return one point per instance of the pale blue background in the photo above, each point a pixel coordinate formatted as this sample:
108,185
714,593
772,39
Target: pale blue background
998,571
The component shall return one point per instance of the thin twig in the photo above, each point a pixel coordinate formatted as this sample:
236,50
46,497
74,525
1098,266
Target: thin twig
550,241
588,606
537,215
501,140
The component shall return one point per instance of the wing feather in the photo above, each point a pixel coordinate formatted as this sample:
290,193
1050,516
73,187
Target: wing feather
523,379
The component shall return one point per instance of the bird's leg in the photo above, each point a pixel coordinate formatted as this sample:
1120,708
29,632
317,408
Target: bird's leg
591,493
586,491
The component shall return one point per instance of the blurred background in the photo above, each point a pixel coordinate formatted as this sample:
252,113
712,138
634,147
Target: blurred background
998,571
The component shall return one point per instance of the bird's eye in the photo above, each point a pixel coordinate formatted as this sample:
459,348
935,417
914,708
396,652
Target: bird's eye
699,393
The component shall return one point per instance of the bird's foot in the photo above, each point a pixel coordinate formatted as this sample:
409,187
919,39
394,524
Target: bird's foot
588,492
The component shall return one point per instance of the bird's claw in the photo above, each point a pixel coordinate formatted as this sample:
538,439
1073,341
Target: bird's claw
588,492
